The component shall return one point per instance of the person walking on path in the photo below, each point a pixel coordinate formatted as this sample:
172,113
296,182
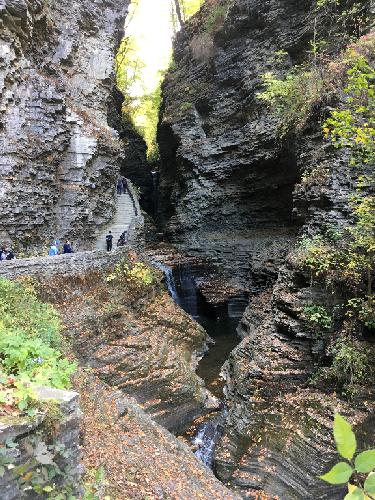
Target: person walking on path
10,255
3,253
124,185
53,250
67,248
123,239
120,186
109,241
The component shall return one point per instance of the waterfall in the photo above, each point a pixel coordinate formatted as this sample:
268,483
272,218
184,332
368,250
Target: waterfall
170,281
207,438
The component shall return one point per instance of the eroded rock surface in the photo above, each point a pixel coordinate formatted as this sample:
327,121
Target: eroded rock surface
132,336
59,157
141,458
236,192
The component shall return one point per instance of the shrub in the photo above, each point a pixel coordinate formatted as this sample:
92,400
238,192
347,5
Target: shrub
217,16
317,255
21,310
293,97
364,309
352,126
318,316
29,346
351,364
134,273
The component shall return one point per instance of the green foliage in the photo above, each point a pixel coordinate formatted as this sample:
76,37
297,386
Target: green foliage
29,346
364,463
317,255
318,316
351,364
354,126
364,308
141,106
94,484
216,16
190,7
348,258
144,112
293,97
135,273
345,440
21,310
185,106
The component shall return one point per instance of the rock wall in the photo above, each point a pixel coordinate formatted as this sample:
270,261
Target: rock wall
59,155
232,190
36,447
141,458
227,180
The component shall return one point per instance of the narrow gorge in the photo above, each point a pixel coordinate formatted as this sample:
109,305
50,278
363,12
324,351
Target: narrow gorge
209,353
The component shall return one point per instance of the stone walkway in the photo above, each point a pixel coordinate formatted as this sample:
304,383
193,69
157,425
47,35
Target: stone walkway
125,212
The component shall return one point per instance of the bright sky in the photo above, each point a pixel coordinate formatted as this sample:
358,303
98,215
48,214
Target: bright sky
152,27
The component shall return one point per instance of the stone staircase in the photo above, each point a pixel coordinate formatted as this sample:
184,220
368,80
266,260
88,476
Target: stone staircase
125,212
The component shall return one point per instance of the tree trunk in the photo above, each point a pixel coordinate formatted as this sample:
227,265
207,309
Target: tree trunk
179,13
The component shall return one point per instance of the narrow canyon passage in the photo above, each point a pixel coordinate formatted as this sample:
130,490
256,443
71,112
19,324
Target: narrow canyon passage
226,351
220,322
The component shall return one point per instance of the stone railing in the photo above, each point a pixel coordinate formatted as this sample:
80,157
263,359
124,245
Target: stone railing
74,263
36,447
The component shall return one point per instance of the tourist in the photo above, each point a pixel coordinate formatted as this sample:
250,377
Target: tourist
67,248
123,239
120,186
53,250
10,255
3,253
109,240
124,185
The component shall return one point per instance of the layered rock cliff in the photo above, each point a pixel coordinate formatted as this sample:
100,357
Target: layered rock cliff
238,192
59,153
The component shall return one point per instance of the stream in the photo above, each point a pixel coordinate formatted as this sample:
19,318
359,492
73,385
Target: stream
220,324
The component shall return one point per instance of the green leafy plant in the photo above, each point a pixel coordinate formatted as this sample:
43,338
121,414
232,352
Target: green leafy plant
357,471
318,316
351,365
94,484
29,347
136,273
354,126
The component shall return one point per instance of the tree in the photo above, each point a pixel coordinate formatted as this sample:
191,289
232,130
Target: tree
179,13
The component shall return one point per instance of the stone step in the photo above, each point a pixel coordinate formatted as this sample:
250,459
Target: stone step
120,222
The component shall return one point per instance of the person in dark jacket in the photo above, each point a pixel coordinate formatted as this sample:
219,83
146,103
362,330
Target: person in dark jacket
10,255
3,253
123,239
109,241
67,248
124,185
120,186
